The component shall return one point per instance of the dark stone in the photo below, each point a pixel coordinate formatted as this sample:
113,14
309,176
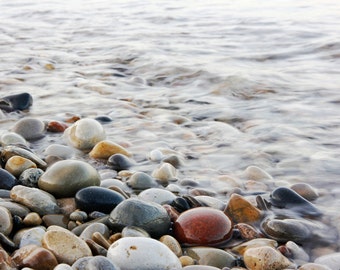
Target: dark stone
7,180
30,177
119,162
103,119
16,102
101,199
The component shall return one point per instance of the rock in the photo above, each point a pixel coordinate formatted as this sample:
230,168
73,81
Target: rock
157,195
16,165
65,245
211,202
313,266
141,181
330,260
255,243
172,243
141,253
155,155
187,260
30,177
17,102
16,209
294,252
95,227
56,126
241,210
6,223
265,257
7,180
9,138
165,173
84,134
119,162
200,267
55,219
202,226
90,199
133,231
63,266
35,257
94,263
256,173
32,219
78,215
306,191
29,236
30,128
105,149
149,216
247,232
60,151
6,262
35,199
65,178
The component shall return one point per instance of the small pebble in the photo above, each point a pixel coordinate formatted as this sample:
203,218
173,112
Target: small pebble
165,173
30,128
12,138
157,195
32,219
256,173
105,149
94,263
172,243
7,180
16,165
119,162
133,231
141,181
30,177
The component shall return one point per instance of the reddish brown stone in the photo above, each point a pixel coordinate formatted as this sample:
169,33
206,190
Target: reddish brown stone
56,126
202,226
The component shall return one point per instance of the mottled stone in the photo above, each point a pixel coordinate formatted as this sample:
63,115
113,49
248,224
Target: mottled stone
94,263
35,199
6,223
84,134
16,165
330,260
64,178
65,245
294,252
157,195
105,149
120,162
30,177
141,253
101,199
247,232
149,216
29,128
202,226
165,173
29,236
141,181
172,243
35,257
7,180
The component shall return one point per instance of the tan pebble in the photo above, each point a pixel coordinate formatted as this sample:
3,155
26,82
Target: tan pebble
67,205
258,242
6,262
32,219
166,172
186,260
16,165
105,149
306,191
113,238
95,248
252,185
6,221
172,243
101,240
314,266
256,173
49,66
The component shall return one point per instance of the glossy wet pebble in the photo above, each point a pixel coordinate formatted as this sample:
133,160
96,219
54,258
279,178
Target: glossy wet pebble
60,151
7,180
119,162
84,134
141,181
8,138
6,223
105,149
306,191
29,128
141,253
94,263
20,102
101,199
202,226
165,173
64,178
172,243
149,216
157,195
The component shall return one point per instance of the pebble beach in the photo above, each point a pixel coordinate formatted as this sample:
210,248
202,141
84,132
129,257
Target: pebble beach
167,136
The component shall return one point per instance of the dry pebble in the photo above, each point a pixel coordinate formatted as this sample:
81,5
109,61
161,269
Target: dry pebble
16,165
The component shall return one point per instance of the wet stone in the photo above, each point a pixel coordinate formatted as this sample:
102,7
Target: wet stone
30,128
211,202
30,177
56,126
78,215
7,180
165,173
6,223
20,102
60,151
305,190
256,173
64,178
133,231
12,138
172,243
97,198
94,263
105,149
141,181
119,162
157,195
202,226
330,260
16,165
95,227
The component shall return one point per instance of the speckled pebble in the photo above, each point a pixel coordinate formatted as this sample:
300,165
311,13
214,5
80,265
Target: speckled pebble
29,128
30,177
172,243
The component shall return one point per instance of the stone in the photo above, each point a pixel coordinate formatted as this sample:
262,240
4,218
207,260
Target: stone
63,266
155,155
149,216
211,202
187,260
66,177
94,263
66,246
30,128
30,177
141,181
16,165
133,231
84,134
256,173
330,260
29,236
255,243
6,223
172,243
313,266
265,257
6,262
141,253
95,227
60,151
202,226
35,199
56,126
17,102
105,149
165,173
247,232
8,138
78,215
7,180
157,195
16,209
240,209
55,219
294,252
32,219
119,162
200,267
101,199
306,191
35,257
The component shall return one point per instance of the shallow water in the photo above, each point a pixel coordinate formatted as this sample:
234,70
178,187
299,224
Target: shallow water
225,84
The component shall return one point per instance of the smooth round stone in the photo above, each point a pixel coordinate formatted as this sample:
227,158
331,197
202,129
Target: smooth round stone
256,173
12,138
211,202
149,216
94,263
187,260
105,149
313,266
294,252
78,215
6,223
63,266
66,177
30,128
20,102
32,219
265,258
107,183
30,177
35,199
60,151
330,260
56,126
16,209
306,191
119,162
142,253
101,199
156,155
157,195
202,226
95,227
16,165
31,236
66,246
165,173
133,231
172,243
35,257
55,219
7,180
84,134
141,181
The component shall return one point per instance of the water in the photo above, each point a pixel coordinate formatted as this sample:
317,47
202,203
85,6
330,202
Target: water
225,84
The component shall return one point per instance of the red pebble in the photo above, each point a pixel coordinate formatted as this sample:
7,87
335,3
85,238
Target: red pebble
202,226
56,126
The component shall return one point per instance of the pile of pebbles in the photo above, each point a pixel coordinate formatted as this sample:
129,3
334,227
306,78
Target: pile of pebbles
85,205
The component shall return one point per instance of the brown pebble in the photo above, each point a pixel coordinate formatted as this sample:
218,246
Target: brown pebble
55,219
32,219
247,231
306,191
101,240
95,248
186,260
113,238
56,126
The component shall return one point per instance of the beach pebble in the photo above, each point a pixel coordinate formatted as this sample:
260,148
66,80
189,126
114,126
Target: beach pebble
84,134
12,138
7,180
60,151
187,260
149,216
29,236
90,199
35,199
256,173
294,252
55,219
95,227
172,243
64,178
141,181
157,195
16,165
165,173
30,177
63,266
142,253
330,260
258,242
6,262
29,128
314,266
20,102
16,209
133,231
105,149
66,246
211,202
119,162
155,155
306,191
32,219
202,226
6,223
35,257
56,126
200,267
94,263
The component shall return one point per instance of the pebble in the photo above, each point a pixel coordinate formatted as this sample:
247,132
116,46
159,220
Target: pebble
6,223
186,260
211,202
165,173
78,215
313,266
306,191
157,195
30,128
60,151
30,177
105,149
56,126
65,245
32,219
16,165
35,199
119,162
330,260
64,178
133,231
142,253
94,263
155,155
101,199
29,236
294,252
256,173
16,209
172,243
247,232
55,219
95,227
141,181
84,134
258,242
149,216
202,226
7,180
200,267
9,138
63,266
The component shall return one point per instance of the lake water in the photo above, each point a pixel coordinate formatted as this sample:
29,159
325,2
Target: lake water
225,84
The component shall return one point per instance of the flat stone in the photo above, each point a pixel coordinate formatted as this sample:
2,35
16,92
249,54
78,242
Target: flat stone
16,209
330,260
105,149
12,138
29,236
95,227
30,177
